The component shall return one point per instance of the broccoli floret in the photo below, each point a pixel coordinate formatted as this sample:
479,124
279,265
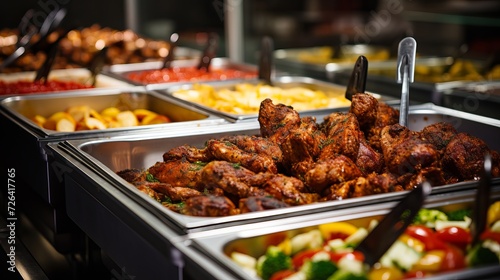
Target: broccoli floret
318,269
273,261
347,275
480,255
429,217
459,215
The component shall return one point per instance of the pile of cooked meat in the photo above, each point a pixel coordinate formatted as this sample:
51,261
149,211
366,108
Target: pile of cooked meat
297,160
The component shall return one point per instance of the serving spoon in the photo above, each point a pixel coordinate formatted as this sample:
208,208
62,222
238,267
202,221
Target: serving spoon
170,55
405,74
209,52
266,60
357,81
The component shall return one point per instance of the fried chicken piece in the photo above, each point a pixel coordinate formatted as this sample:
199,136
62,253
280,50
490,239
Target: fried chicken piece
276,121
227,176
439,134
227,151
405,152
302,146
329,171
178,173
257,145
342,136
209,206
368,159
175,194
433,175
463,157
287,189
260,203
365,108
372,116
150,192
362,186
190,153
132,175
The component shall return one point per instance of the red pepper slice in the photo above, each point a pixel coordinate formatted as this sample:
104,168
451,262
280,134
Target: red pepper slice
493,235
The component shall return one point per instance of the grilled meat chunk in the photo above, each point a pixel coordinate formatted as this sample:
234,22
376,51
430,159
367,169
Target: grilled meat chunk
260,203
439,134
327,172
167,191
302,146
209,206
191,154
276,121
227,151
342,136
463,157
227,176
132,175
405,152
362,186
178,173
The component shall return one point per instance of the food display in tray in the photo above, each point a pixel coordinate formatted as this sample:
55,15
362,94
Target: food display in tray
77,118
298,160
245,98
79,46
188,74
25,86
342,54
438,241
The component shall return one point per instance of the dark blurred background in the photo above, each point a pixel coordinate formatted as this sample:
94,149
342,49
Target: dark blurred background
439,26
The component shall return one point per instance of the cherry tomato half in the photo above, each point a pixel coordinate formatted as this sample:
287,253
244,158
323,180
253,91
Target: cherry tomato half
427,236
457,236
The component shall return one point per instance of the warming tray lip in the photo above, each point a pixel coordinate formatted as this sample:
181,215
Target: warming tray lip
209,119
119,71
211,243
277,81
194,224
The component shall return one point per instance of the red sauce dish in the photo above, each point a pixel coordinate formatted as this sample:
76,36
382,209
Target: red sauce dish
188,74
24,87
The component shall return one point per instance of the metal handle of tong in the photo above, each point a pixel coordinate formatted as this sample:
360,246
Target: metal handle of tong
407,50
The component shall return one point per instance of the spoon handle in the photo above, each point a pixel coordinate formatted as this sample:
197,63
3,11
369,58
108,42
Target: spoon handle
209,52
266,60
405,74
170,56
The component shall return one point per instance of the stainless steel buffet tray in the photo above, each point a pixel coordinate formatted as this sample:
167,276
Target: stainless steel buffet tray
285,82
120,71
16,113
253,239
107,156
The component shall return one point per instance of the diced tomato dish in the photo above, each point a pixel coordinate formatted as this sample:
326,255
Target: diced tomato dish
23,87
188,74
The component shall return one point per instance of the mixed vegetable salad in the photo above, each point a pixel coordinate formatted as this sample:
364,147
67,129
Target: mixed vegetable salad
437,241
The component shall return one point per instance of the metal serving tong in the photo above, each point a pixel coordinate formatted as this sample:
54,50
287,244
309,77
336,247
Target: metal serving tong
388,230
266,60
52,51
405,74
357,81
28,30
482,201
170,56
209,52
